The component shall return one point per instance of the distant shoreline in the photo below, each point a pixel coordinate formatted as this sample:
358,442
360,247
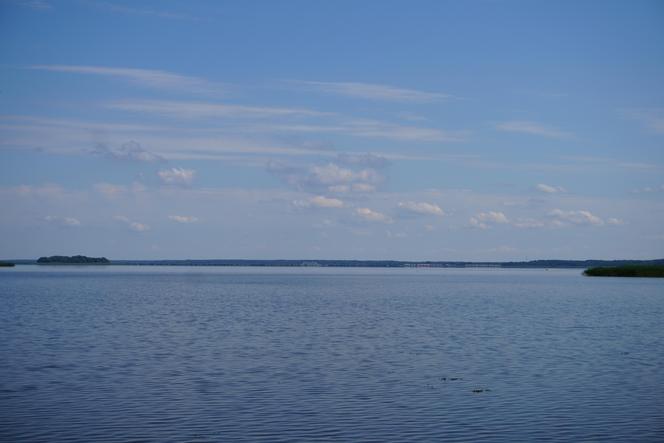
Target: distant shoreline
533,264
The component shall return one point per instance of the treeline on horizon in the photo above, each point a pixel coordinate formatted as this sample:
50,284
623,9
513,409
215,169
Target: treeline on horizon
388,263
81,259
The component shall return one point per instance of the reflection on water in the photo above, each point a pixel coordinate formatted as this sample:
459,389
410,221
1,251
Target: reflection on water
238,354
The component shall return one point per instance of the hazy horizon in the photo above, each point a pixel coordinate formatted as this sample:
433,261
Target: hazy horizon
410,131
313,259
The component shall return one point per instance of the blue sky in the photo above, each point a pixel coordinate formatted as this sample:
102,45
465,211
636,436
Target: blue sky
420,130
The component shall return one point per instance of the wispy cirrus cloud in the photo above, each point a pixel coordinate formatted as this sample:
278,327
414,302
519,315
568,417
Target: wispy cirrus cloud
364,159
144,77
651,118
130,150
191,110
594,161
109,190
183,218
371,91
533,128
648,189
49,191
319,201
373,129
579,218
37,5
62,221
61,136
528,223
548,189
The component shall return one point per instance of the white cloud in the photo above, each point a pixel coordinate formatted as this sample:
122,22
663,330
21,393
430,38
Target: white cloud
549,189
375,92
372,216
484,220
422,208
328,177
177,176
582,217
62,221
133,225
527,127
139,227
183,218
324,202
615,221
493,217
319,201
143,77
331,174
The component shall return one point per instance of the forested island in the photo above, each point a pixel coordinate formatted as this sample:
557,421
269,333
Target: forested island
626,271
73,260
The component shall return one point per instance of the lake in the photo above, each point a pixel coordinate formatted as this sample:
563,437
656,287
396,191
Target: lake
206,354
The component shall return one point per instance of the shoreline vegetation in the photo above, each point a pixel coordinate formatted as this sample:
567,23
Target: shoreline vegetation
533,264
654,271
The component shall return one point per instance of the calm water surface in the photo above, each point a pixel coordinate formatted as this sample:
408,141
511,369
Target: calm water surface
250,354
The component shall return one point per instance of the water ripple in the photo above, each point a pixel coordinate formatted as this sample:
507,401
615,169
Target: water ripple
217,355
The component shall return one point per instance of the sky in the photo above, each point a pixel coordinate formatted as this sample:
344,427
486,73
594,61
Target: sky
406,130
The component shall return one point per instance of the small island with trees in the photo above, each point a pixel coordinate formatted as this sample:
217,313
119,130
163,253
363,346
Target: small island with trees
626,271
73,260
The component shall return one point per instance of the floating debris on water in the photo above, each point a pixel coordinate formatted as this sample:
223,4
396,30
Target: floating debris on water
450,378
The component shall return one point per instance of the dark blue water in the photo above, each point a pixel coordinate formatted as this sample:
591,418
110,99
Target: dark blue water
246,354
